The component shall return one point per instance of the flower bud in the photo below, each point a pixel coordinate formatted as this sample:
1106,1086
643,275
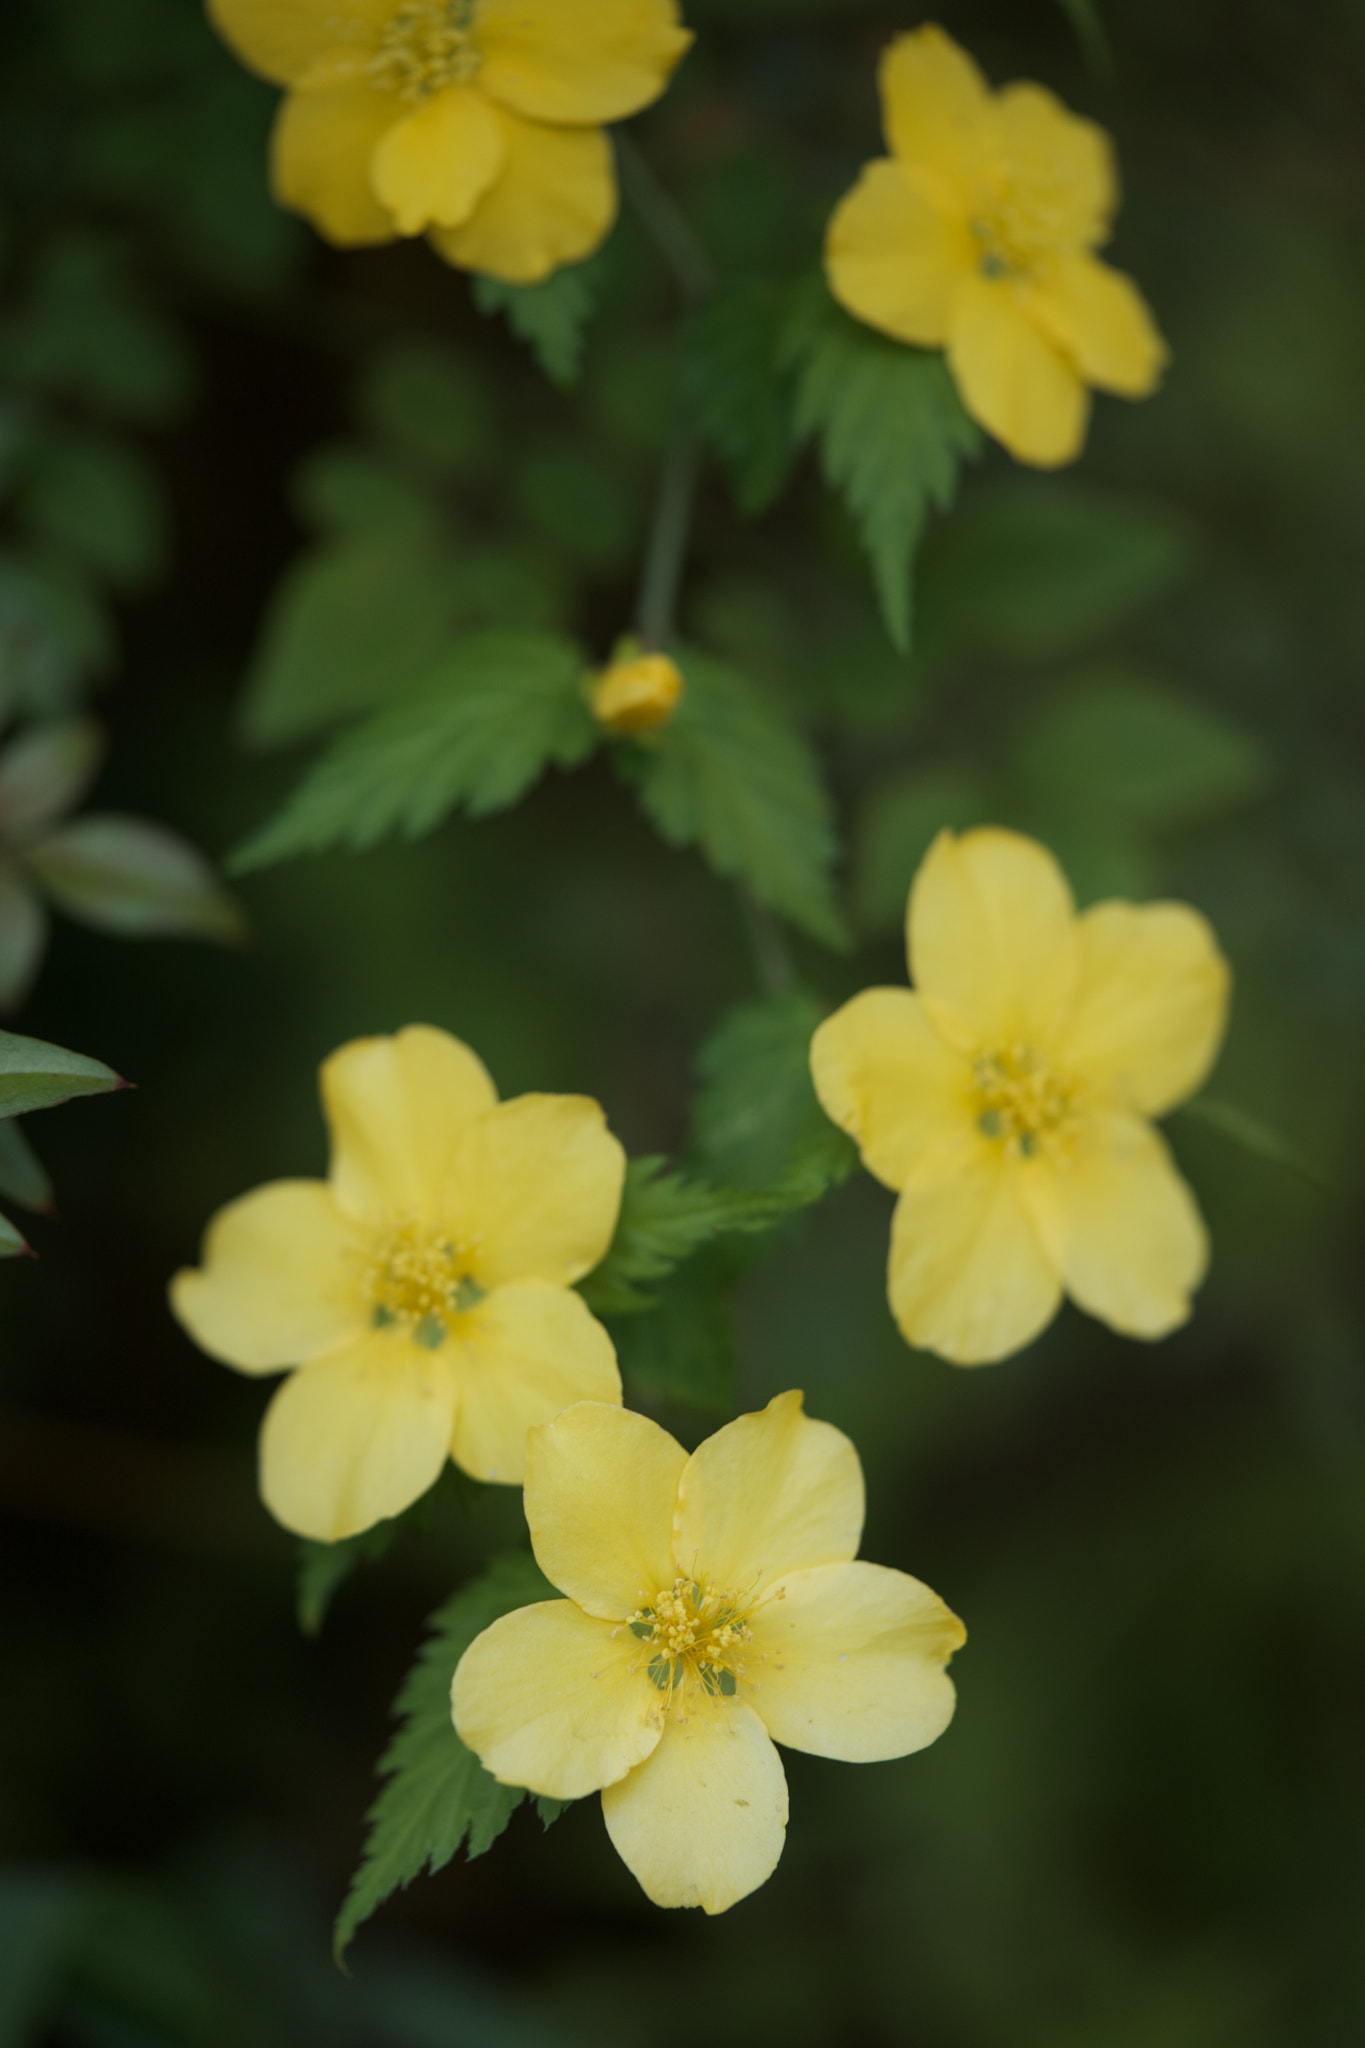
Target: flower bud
636,695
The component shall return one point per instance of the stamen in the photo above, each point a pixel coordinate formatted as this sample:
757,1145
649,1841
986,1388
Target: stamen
1021,1102
419,1280
427,44
694,1634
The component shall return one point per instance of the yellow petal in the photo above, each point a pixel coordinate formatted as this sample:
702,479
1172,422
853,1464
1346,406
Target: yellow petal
540,1182
397,1109
895,253
1151,1004
546,1698
320,152
275,1286
770,1493
283,39
991,934
1122,1226
936,106
553,203
702,1821
435,164
578,60
1100,320
1012,380
884,1075
601,1486
848,1661
356,1437
520,1357
968,1276
1066,160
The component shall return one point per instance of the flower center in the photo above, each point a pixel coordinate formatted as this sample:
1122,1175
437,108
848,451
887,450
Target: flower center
420,1280
692,1636
1020,1100
426,45
1023,215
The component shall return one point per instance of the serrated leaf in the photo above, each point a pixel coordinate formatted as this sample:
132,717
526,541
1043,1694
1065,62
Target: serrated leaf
135,878
665,1217
23,1177
756,1117
729,775
736,385
482,724
34,1075
438,1795
891,430
550,317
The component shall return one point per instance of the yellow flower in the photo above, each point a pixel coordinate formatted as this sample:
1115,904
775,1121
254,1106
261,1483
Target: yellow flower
977,235
1007,1101
423,1290
637,695
478,121
713,1608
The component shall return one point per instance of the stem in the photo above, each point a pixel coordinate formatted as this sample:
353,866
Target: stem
777,975
666,225
670,530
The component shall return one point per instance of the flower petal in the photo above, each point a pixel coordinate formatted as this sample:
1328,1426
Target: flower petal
1151,1003
436,163
578,60
968,1277
320,152
1100,320
1012,380
553,203
521,1357
770,1493
539,1182
601,1487
1047,150
275,1287
991,934
848,1662
936,106
1122,1226
283,39
356,1437
397,1109
546,1697
884,1075
895,253
703,1820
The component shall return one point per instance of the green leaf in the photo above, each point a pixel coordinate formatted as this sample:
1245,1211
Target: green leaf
140,880
438,1795
34,1075
686,1350
1260,1139
478,729
891,430
23,1177
551,317
13,1245
54,634
756,1117
734,381
730,775
100,498
325,1567
664,1218
45,772
429,405
24,925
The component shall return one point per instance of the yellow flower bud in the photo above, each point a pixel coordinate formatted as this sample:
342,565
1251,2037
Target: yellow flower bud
635,696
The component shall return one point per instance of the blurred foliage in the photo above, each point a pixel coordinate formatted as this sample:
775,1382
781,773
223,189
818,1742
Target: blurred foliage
266,498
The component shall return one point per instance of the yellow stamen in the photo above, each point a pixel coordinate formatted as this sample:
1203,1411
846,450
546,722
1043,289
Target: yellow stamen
1021,1101
419,1279
692,1636
426,45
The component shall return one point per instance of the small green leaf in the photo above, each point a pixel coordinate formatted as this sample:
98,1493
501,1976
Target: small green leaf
325,1567
756,1117
45,771
54,634
100,498
23,1177
13,1245
892,435
140,880
736,386
35,1076
551,317
478,729
731,776
23,935
437,1794
664,1218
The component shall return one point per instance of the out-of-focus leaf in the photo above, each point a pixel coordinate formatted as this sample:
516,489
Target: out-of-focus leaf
580,504
138,879
551,317
41,1912
23,1177
1256,1136
1091,34
45,771
438,1795
731,776
685,1351
344,487
100,498
54,635
664,1218
736,386
1036,570
892,435
486,719
756,1117
84,329
325,1567
13,1245
899,819
34,1075
428,404
23,936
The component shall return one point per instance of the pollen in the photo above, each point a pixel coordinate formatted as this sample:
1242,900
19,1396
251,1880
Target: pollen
1020,219
419,1279
1022,1101
693,1638
426,45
